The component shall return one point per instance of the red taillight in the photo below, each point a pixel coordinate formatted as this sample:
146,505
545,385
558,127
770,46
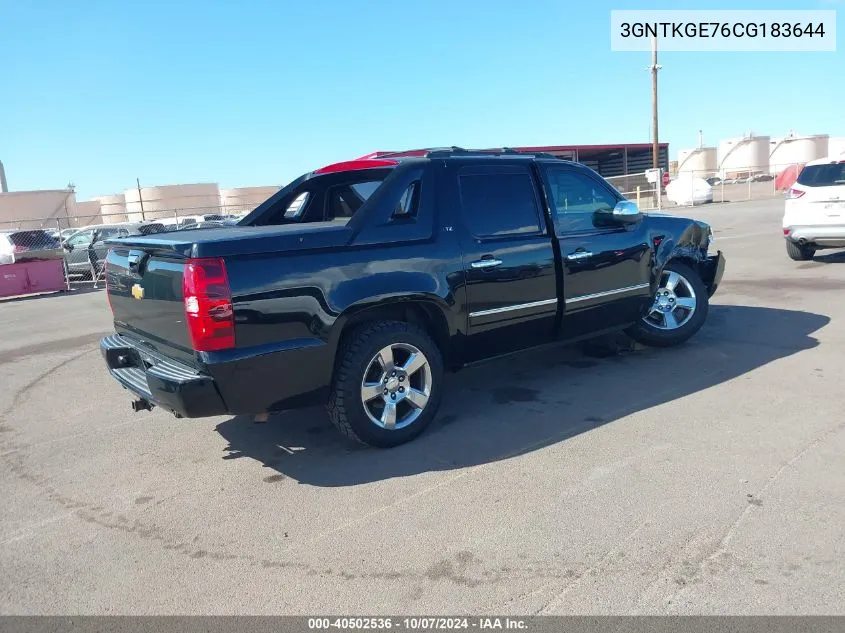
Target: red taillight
19,249
794,193
350,165
208,305
786,232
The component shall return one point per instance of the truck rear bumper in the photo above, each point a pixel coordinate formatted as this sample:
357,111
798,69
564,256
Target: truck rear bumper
161,381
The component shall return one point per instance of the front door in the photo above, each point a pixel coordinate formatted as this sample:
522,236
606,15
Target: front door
606,267
77,258
508,255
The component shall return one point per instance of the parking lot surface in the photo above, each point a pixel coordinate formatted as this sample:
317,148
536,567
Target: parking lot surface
702,479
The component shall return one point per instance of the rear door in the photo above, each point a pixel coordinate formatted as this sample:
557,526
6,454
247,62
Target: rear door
508,258
606,268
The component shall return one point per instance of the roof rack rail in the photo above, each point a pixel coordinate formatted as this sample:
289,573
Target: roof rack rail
504,151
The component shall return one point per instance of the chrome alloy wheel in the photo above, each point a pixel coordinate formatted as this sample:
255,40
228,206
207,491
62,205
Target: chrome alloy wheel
396,386
674,304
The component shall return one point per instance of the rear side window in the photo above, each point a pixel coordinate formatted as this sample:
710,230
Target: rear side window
499,202
104,234
828,175
343,201
297,205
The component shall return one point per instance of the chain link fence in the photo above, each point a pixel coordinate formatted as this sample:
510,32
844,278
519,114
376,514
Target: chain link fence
72,246
75,242
694,187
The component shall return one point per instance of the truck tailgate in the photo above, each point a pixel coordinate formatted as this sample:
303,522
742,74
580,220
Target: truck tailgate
145,292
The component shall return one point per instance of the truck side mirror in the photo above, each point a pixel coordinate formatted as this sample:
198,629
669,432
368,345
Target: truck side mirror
626,212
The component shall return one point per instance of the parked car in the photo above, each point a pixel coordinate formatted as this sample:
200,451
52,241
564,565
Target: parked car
814,213
689,190
28,244
62,235
76,246
387,273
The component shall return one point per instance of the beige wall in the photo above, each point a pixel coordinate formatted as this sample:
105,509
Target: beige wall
38,209
88,212
167,201
112,208
244,199
58,208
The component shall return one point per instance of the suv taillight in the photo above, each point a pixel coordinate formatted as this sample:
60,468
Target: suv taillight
208,305
794,193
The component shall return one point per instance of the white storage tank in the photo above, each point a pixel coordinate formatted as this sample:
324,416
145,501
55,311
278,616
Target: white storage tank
112,208
701,160
836,146
744,156
796,150
171,201
87,213
244,199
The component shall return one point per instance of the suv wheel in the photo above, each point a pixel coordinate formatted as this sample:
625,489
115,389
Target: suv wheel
679,309
387,385
799,253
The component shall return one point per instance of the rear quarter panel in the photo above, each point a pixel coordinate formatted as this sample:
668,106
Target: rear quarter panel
291,307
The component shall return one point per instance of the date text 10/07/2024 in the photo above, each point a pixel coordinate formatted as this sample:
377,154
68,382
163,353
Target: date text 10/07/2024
417,624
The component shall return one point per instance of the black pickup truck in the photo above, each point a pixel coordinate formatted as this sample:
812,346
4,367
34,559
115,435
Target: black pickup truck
359,284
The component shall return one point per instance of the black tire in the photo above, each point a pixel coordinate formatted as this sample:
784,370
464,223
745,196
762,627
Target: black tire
646,332
345,406
799,253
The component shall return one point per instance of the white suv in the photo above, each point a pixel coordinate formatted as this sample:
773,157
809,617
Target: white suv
814,217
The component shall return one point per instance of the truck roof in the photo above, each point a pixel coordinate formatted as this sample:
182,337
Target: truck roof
391,159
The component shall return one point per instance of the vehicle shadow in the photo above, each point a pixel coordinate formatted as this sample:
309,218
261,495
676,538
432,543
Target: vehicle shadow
74,290
831,258
517,405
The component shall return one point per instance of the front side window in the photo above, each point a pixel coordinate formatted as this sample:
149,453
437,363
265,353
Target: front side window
499,202
576,198
83,237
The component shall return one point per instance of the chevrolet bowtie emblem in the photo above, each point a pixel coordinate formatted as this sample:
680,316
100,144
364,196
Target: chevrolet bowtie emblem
137,291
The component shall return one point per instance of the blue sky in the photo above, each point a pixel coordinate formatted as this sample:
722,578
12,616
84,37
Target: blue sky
257,92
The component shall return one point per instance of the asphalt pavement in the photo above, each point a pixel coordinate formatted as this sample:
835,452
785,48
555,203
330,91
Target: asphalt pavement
704,479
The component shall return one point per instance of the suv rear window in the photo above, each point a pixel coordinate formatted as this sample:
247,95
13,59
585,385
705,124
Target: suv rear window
33,239
822,175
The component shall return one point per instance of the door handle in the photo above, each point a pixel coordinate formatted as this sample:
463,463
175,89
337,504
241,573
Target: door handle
486,263
579,255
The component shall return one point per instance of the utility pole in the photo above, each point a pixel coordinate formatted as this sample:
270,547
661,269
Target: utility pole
655,144
655,147
140,199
